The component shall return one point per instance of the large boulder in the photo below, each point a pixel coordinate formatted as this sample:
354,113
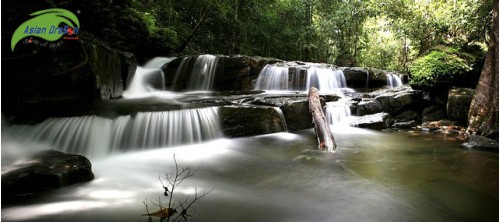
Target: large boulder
241,121
392,101
433,113
76,72
297,115
378,121
258,63
356,77
459,100
44,171
235,73
111,67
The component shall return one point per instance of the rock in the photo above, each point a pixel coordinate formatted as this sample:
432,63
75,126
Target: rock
392,101
367,107
258,63
78,72
378,78
376,121
241,121
405,125
330,97
311,155
433,113
235,73
482,143
297,115
407,115
356,77
443,126
459,100
106,64
46,170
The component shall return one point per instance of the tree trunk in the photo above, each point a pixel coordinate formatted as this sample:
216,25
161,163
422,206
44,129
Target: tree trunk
483,112
321,126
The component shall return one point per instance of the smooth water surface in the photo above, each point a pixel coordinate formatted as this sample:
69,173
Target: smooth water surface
374,176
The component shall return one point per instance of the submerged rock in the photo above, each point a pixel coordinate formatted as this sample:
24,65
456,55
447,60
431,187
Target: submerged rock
44,171
481,143
377,121
311,155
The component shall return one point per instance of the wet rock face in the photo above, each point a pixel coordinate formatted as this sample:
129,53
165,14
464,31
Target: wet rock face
80,71
46,170
459,100
433,113
241,121
392,101
482,143
377,121
297,115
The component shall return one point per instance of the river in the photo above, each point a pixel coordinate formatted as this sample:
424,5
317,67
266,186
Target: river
375,176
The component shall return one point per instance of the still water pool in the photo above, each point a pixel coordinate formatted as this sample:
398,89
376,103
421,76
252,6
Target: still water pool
374,176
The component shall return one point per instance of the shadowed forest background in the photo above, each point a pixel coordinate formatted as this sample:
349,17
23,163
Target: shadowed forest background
378,33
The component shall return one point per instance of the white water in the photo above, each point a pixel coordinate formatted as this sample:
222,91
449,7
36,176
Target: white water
273,77
149,80
263,178
203,73
338,112
325,79
394,80
277,78
97,136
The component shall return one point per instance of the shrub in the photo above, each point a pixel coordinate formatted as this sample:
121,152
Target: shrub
440,68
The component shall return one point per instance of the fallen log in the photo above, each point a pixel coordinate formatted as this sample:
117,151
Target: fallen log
321,126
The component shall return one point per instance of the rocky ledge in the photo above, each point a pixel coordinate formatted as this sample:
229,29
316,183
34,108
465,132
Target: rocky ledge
44,171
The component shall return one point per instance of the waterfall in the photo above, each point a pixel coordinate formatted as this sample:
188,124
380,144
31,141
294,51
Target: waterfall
278,77
203,73
325,79
273,77
282,118
394,80
337,112
92,135
147,79
158,62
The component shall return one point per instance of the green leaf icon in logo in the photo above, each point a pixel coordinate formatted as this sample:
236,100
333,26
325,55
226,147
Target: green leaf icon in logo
44,21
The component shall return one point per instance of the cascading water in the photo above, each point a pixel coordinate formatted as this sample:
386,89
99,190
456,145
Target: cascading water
337,112
147,79
98,136
394,80
273,77
278,77
203,74
325,79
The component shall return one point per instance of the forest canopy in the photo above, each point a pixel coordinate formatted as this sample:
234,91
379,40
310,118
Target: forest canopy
386,34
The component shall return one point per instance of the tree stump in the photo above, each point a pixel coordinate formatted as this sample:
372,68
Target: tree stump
321,126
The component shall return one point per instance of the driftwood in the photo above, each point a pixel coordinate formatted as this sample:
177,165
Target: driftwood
321,126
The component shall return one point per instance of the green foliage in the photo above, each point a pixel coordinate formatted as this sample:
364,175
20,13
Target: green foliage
385,34
440,68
